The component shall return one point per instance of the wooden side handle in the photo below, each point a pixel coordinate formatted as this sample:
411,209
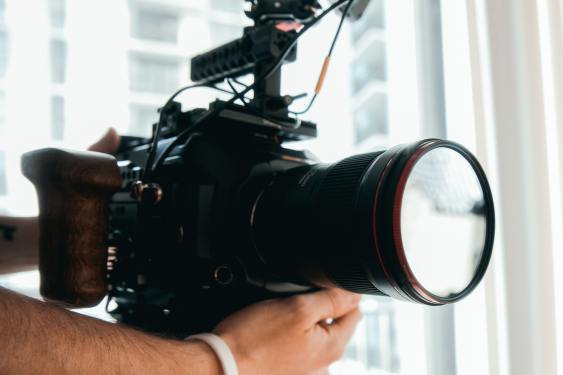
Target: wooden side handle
73,189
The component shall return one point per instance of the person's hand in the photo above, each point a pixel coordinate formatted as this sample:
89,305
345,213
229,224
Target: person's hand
291,335
108,144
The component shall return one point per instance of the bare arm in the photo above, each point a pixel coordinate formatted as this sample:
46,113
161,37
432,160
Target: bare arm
276,337
41,338
18,251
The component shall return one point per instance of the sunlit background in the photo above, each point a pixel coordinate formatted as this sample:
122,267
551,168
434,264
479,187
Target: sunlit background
487,74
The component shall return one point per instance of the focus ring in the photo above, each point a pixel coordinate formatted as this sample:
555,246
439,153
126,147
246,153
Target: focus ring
340,186
337,200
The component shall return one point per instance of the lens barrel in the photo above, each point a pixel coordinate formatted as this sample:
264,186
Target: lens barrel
340,224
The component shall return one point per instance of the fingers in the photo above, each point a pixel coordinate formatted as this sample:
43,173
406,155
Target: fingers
339,334
332,304
108,144
345,326
321,372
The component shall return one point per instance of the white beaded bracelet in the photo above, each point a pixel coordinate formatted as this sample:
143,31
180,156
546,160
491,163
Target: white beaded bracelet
222,351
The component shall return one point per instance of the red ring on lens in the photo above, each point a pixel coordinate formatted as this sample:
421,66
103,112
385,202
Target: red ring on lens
394,283
396,220
376,241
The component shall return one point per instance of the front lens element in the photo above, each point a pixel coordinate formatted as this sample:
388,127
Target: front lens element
442,222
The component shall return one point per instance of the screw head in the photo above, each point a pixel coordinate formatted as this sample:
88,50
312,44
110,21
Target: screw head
224,275
142,192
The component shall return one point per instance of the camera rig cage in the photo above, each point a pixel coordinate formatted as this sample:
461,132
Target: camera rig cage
213,213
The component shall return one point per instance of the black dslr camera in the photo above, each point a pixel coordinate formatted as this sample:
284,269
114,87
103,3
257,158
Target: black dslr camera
214,213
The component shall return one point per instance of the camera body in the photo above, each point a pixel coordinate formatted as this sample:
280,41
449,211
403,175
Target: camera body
183,257
183,263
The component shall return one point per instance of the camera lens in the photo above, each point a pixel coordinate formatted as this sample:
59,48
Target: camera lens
415,222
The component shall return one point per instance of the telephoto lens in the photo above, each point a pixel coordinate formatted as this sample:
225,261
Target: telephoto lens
415,222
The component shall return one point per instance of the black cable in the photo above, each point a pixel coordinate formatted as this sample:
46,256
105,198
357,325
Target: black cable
236,93
309,106
257,112
328,56
296,123
239,82
221,106
226,91
344,14
233,91
156,136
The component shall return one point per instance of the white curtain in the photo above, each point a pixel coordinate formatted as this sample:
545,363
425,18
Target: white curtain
517,73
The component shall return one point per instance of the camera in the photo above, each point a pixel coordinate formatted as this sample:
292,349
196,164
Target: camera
214,213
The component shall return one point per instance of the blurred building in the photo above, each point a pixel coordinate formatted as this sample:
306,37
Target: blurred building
82,66
160,44
369,78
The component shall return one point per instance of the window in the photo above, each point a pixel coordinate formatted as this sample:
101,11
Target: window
57,13
222,33
227,5
141,119
377,346
2,10
4,47
370,66
156,74
373,19
57,118
2,110
370,119
58,61
3,183
154,24
369,77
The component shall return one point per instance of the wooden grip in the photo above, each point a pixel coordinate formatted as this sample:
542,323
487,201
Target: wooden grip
73,189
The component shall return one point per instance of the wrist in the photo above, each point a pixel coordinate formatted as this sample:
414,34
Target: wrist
245,363
199,355
221,349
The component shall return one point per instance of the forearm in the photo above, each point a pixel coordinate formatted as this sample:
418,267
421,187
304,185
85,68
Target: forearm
41,338
19,252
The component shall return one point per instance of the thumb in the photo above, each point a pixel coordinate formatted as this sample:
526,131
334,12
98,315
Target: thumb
108,144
